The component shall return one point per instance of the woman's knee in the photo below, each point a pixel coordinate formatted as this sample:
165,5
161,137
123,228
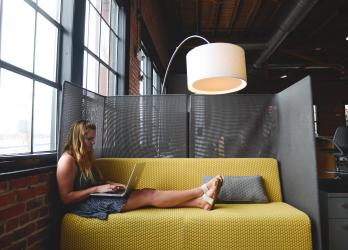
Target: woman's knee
147,194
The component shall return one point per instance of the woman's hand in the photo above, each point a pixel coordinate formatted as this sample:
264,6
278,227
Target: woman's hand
109,187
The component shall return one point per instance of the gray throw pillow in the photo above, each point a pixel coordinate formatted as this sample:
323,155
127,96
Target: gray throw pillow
241,189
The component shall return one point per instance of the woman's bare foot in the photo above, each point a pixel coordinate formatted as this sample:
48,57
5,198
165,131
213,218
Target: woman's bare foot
207,186
208,198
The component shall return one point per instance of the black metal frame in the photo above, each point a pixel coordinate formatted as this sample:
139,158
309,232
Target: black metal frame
24,164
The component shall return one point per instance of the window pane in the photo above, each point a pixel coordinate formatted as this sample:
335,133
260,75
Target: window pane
114,16
85,70
154,82
45,109
97,4
86,24
46,49
113,51
104,42
16,106
92,74
103,80
106,4
112,84
17,34
94,28
51,7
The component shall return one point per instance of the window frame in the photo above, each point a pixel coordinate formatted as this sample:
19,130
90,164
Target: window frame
23,162
147,76
315,120
69,68
346,113
122,36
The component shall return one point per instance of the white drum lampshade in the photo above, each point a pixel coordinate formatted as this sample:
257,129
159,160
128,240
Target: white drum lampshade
216,68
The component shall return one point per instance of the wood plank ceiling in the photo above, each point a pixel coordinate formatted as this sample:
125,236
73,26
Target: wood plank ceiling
281,37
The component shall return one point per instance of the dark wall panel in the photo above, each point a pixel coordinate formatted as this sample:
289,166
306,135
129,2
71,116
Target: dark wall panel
296,152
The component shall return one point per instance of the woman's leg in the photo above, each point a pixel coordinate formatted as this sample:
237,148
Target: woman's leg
156,198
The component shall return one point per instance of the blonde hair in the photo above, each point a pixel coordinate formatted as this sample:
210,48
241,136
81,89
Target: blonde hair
75,146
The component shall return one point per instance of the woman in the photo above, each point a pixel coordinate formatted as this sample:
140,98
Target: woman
77,178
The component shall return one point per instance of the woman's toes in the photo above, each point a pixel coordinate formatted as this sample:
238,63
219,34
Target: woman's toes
211,183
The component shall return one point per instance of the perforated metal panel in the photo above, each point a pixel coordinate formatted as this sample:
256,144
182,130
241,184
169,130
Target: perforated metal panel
157,126
77,104
233,126
145,126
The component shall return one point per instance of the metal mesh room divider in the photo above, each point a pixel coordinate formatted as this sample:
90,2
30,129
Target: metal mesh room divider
233,126
157,125
145,126
77,104
128,126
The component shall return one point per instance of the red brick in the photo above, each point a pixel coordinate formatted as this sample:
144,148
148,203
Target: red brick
44,211
18,245
32,192
24,231
44,222
35,203
5,241
24,219
37,236
34,214
12,211
44,177
34,179
37,246
3,186
6,199
20,182
12,224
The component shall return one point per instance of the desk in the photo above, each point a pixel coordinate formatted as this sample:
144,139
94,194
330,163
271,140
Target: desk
325,160
334,214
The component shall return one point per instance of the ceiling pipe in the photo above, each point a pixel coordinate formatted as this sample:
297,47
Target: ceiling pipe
290,22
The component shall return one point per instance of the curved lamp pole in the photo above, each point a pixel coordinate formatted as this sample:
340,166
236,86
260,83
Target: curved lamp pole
175,51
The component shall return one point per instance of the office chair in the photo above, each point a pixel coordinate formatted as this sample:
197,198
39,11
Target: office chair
340,140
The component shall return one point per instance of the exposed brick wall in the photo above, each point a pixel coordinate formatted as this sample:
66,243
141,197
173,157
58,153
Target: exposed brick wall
26,212
151,16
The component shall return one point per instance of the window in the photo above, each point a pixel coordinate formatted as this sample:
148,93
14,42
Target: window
150,81
29,38
315,119
346,112
103,45
156,83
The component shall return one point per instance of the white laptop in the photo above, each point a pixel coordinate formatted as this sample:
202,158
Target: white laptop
132,182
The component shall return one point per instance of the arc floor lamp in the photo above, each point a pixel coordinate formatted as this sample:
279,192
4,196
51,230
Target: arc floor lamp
213,68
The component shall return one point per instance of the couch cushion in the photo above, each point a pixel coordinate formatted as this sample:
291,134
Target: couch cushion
185,173
268,226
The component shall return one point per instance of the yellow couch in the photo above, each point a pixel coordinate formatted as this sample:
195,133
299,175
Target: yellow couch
274,225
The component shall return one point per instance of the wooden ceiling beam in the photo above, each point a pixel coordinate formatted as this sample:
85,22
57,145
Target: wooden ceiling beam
198,17
253,14
233,17
217,16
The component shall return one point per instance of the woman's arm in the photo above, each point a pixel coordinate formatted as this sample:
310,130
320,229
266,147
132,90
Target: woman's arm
66,173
